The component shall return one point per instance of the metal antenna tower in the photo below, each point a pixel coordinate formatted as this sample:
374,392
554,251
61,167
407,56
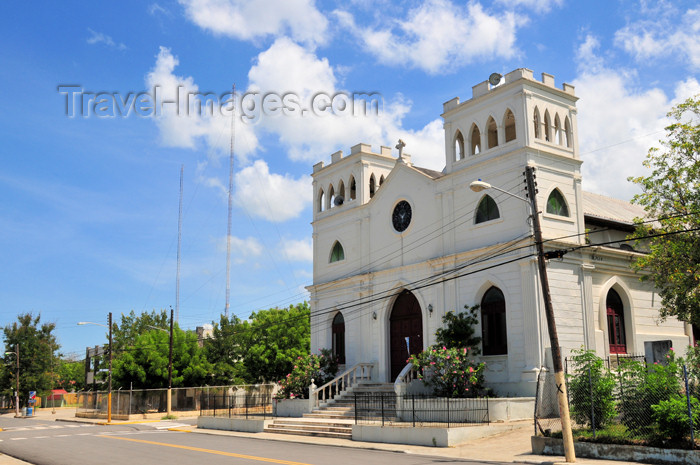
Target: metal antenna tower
179,243
230,201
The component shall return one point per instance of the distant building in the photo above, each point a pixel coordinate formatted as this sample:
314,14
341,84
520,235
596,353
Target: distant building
205,331
396,246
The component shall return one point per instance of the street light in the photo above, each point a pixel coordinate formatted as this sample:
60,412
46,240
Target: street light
170,364
559,380
109,388
16,354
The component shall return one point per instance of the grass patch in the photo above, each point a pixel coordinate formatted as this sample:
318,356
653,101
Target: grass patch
169,417
621,435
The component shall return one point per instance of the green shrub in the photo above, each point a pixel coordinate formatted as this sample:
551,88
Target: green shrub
645,385
319,368
591,396
450,372
671,417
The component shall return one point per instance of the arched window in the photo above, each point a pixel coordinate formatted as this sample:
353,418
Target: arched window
546,127
338,335
492,132
556,205
475,140
558,139
487,210
536,124
509,125
321,199
337,254
567,131
459,146
353,188
331,196
616,323
372,186
494,337
381,179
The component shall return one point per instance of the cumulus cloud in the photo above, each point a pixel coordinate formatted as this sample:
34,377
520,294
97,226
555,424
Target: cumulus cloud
100,38
271,196
297,250
438,36
541,6
242,248
665,34
182,124
257,19
288,67
617,122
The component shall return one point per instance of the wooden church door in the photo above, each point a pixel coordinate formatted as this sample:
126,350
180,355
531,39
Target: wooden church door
406,321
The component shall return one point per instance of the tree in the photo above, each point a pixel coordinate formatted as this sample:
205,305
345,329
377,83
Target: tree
145,363
274,339
70,375
671,194
124,334
37,345
225,350
459,330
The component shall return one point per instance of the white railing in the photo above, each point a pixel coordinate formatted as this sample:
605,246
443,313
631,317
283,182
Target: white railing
408,374
360,372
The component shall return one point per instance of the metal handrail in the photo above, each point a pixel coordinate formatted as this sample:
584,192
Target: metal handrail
359,372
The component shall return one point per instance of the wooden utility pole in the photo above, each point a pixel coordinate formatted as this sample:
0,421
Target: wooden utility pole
559,379
109,384
170,367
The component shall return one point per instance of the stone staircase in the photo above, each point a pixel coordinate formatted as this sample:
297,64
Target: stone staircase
333,419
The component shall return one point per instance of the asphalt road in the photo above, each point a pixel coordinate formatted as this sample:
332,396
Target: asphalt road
64,443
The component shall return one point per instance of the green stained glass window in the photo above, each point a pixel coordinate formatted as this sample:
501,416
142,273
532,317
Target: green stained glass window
487,210
556,205
338,253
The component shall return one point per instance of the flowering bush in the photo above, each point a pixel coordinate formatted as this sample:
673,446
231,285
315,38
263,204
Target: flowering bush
450,372
321,368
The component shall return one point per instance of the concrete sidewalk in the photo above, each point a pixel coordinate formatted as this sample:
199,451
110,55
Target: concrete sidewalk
511,447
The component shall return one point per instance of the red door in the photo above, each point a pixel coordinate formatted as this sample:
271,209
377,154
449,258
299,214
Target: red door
616,323
405,330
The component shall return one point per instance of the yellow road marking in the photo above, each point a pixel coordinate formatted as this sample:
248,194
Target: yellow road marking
208,451
180,430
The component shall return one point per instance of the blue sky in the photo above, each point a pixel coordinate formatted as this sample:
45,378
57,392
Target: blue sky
89,205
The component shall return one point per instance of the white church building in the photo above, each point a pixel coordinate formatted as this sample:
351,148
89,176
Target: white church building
397,246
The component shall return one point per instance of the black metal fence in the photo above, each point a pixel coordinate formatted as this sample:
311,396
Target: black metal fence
623,400
390,409
239,405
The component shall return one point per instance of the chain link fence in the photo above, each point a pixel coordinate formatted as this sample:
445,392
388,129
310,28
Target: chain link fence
242,402
154,401
623,400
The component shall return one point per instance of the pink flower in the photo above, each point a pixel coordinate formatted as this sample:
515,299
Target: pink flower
471,370
444,348
432,363
671,349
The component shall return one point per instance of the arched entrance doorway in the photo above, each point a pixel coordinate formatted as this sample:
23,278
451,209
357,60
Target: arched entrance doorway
405,324
338,342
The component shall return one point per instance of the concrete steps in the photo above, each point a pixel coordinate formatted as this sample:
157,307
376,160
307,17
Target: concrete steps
304,427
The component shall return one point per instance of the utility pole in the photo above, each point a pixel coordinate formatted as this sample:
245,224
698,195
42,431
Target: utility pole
559,379
109,384
170,367
17,391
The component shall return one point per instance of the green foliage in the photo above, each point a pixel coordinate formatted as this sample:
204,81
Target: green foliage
225,350
459,330
71,375
591,394
319,368
132,326
274,340
37,345
450,372
671,193
145,364
672,417
643,386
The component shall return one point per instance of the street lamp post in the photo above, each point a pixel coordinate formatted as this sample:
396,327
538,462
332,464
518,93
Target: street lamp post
109,383
170,364
16,354
478,186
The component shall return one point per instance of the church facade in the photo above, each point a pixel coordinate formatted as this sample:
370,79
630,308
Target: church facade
397,246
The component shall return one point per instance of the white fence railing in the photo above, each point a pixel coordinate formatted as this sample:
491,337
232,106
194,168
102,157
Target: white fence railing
359,373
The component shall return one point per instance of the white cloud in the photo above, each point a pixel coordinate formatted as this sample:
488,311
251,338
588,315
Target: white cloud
541,6
661,36
182,126
257,19
617,123
241,248
287,67
271,196
297,250
100,38
439,36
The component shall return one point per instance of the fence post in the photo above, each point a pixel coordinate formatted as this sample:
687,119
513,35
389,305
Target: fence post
590,388
381,397
201,402
448,413
355,408
413,407
246,406
690,408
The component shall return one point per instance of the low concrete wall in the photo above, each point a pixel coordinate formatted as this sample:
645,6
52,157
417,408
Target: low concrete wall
511,408
500,409
641,454
291,407
233,424
436,437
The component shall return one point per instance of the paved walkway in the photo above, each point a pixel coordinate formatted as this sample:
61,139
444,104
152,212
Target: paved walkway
512,446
